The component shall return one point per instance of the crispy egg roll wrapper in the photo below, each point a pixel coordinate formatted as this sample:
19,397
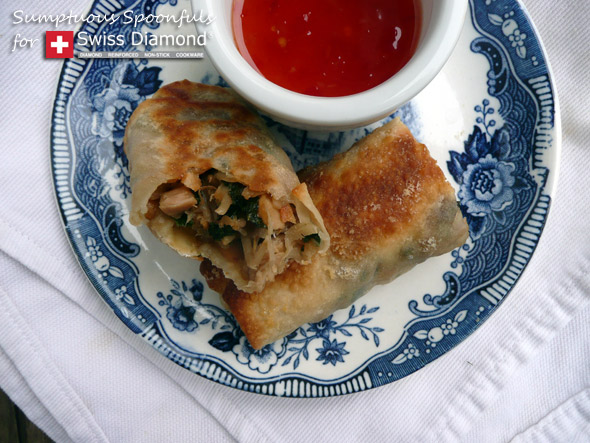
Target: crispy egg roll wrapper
387,207
187,130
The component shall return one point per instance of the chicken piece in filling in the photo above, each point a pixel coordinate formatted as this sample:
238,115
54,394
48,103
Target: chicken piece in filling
220,210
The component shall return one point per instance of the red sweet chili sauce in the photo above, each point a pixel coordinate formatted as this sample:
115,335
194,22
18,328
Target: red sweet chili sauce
327,48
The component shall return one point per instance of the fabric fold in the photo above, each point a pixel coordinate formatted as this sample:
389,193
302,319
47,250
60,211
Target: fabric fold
43,377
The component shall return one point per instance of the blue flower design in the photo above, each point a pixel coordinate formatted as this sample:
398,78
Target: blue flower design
332,352
186,312
182,317
300,340
449,327
411,351
488,176
323,328
101,263
115,104
261,360
517,38
487,186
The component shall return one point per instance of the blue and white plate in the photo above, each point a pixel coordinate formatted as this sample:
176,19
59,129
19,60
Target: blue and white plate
490,119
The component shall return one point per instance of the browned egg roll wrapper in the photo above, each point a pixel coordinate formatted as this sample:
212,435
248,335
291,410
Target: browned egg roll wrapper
209,181
387,207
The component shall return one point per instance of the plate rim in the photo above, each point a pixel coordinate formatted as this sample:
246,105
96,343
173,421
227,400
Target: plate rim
327,388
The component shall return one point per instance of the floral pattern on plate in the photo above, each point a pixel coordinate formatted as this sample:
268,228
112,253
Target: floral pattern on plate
503,174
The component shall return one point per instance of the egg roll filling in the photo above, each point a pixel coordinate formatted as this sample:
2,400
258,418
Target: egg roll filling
216,208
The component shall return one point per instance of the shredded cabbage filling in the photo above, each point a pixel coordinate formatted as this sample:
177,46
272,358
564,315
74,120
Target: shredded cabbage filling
224,211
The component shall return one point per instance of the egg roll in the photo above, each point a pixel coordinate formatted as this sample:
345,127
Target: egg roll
209,181
387,207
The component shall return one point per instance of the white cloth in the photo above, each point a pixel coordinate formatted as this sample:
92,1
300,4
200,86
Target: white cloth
81,375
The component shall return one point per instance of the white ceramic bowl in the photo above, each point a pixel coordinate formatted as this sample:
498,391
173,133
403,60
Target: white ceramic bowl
442,21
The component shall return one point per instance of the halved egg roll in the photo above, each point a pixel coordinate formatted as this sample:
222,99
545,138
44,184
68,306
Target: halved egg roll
210,182
387,207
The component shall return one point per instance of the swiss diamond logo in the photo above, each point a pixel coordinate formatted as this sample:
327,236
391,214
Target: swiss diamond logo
59,44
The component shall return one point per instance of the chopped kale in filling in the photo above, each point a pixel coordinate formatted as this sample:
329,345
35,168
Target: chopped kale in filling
197,195
218,232
315,237
241,207
182,221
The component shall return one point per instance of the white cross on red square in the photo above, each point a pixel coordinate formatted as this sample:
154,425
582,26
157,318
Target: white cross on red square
59,44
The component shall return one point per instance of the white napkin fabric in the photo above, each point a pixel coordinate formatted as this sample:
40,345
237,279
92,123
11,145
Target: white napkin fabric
81,375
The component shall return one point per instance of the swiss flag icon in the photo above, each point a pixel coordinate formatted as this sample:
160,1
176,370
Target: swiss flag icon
59,44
